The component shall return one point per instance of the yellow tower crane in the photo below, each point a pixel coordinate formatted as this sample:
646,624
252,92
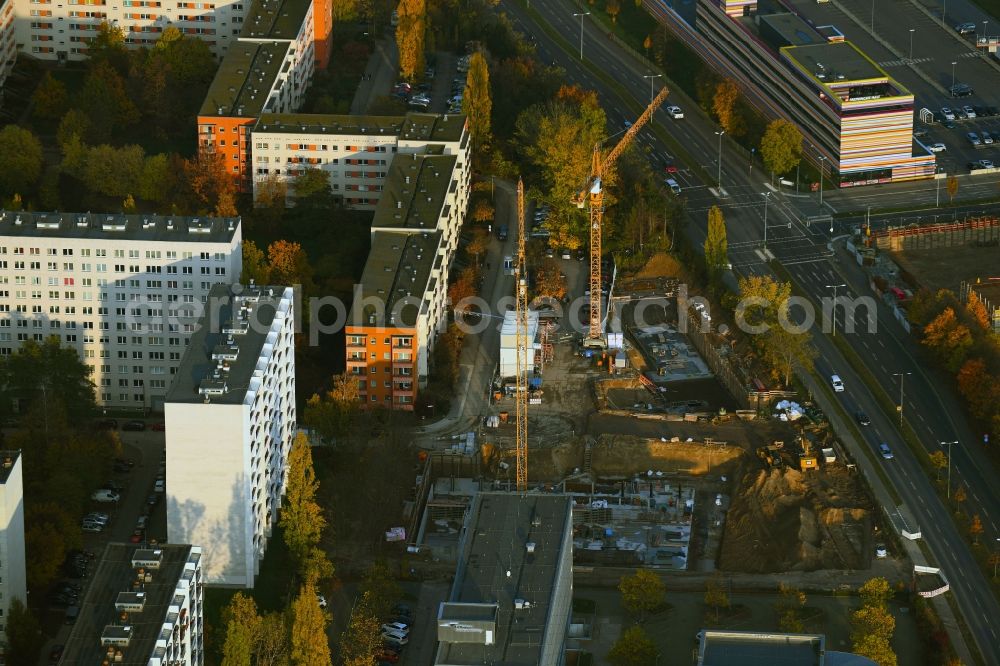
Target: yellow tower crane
594,192
521,324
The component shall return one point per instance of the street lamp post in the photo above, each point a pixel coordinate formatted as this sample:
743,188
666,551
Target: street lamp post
719,177
767,197
651,77
937,194
949,444
902,377
835,287
953,63
984,30
912,30
822,173
753,151
873,16
581,15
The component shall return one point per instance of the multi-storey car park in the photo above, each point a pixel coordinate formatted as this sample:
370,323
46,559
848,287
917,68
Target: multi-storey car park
852,114
144,605
356,151
400,305
124,291
230,421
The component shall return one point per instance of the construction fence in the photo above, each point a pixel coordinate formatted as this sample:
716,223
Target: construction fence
983,231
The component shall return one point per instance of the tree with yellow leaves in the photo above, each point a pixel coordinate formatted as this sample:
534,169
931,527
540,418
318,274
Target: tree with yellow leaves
948,338
477,101
310,646
302,518
410,34
724,106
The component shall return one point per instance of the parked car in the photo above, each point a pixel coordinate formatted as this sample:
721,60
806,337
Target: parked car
387,655
116,486
961,90
402,609
837,384
394,638
937,147
134,426
108,424
92,526
105,495
160,486
137,536
987,137
152,500
986,164
321,600
886,452
98,517
675,112
947,113
56,653
973,139
396,627
969,111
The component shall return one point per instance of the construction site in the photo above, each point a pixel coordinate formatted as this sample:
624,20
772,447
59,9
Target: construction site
676,453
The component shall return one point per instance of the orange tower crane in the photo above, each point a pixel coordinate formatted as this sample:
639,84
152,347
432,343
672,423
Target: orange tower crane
521,324
594,192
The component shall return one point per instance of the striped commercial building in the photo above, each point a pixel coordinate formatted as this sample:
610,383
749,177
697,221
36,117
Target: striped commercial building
852,114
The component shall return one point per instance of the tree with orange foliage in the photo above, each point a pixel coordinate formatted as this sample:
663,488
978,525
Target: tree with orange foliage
977,386
211,187
577,95
289,263
463,287
977,310
976,529
613,8
948,338
724,105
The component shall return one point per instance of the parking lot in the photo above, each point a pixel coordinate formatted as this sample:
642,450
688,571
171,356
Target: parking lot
136,475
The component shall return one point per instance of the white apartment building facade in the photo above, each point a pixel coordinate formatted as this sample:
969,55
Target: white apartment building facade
8,43
356,151
145,605
125,291
230,422
13,583
60,29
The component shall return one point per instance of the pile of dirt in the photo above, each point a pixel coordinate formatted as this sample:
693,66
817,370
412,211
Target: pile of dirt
660,264
784,519
626,455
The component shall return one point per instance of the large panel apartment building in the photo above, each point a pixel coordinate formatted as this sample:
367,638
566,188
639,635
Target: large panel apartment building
60,29
230,422
13,581
125,291
400,305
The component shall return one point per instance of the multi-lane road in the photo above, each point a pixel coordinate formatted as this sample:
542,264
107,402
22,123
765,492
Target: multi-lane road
808,251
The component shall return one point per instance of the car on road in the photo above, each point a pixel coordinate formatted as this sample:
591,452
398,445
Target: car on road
947,113
862,419
973,139
837,384
675,112
969,111
885,451
669,167
962,90
937,147
105,495
627,124
56,653
880,551
967,28
672,185
134,426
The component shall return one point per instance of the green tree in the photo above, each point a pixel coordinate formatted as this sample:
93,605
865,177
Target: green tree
255,264
157,179
381,589
302,518
785,349
761,298
310,646
50,99
114,172
716,246
410,31
272,647
47,537
20,160
104,101
633,648
477,101
272,194
313,184
24,634
46,374
641,592
48,189
716,596
725,108
939,461
243,628
781,146
333,412
789,608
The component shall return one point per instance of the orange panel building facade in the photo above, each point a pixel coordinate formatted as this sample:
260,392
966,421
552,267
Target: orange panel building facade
323,22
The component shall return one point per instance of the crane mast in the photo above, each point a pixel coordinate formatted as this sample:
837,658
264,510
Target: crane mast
521,325
594,194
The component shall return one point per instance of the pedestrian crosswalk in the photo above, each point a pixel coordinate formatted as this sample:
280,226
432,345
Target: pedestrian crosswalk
903,62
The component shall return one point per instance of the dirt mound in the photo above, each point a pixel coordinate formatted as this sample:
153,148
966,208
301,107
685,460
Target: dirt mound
784,519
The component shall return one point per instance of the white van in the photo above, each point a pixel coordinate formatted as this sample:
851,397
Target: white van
837,384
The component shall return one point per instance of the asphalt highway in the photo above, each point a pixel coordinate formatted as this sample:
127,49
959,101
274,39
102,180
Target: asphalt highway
800,235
